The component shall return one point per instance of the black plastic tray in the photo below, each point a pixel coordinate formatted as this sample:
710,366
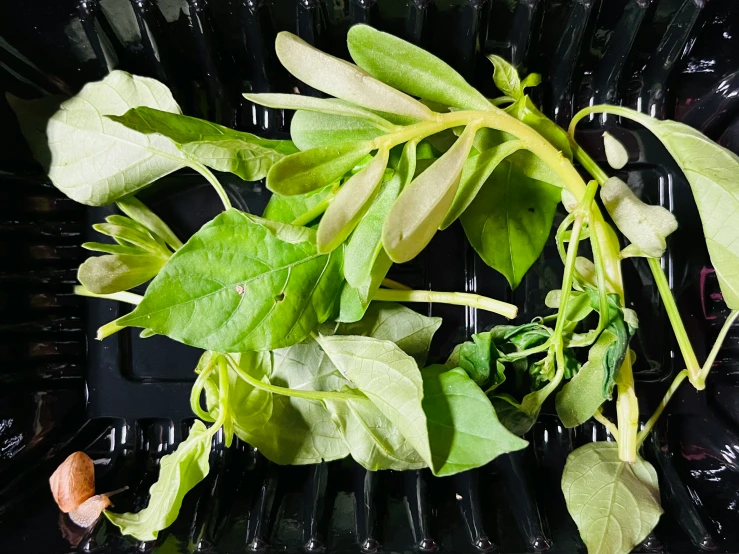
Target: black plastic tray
125,401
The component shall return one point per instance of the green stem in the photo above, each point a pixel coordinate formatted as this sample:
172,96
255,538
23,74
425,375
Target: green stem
679,378
205,172
390,284
607,423
317,396
700,382
588,163
456,298
124,296
197,389
673,314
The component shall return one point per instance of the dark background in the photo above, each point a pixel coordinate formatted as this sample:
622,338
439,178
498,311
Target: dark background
124,401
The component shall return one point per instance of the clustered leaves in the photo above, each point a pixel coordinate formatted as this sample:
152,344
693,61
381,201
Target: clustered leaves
302,358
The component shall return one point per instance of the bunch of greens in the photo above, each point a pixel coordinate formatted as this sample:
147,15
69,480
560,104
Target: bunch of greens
307,357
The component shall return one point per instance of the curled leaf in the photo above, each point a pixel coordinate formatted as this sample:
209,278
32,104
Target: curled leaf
87,513
73,482
645,226
616,152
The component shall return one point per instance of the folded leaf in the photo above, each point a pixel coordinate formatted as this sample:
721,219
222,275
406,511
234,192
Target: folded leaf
313,130
343,80
614,504
647,227
509,220
251,284
316,168
411,69
179,472
422,205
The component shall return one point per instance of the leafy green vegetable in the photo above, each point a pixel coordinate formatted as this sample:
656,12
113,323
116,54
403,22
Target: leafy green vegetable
463,429
351,203
506,77
233,300
118,272
136,210
218,147
647,227
355,300
179,472
287,209
314,130
477,357
616,152
525,110
315,168
614,504
411,69
422,205
510,219
343,80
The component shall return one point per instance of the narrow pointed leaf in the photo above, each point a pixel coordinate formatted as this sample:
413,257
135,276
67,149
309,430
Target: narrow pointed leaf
506,77
313,129
118,272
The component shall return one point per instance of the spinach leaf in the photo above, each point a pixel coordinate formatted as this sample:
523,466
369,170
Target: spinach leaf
477,357
179,472
314,130
315,168
355,300
711,171
646,227
343,80
579,304
251,284
218,147
79,136
510,219
287,209
511,414
614,504
463,430
422,205
350,203
411,69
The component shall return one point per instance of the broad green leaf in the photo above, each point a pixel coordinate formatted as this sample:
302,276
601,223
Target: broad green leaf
581,397
616,152
365,244
646,227
614,504
409,330
578,304
476,358
712,173
95,160
512,416
316,168
506,77
389,378
343,80
463,430
137,210
179,472
477,170
118,272
422,205
218,147
322,105
287,209
510,219
351,203
411,69
313,130
250,284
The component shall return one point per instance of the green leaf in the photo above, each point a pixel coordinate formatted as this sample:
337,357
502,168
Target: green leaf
179,472
411,69
711,171
251,284
581,397
287,209
343,80
350,204
614,504
476,358
313,130
477,170
365,244
316,168
409,330
616,152
355,300
646,227
137,210
531,80
79,137
463,430
322,105
389,378
118,272
506,77
510,219
512,416
422,205
525,110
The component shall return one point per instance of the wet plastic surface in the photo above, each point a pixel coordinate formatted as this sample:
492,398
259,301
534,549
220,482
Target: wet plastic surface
125,401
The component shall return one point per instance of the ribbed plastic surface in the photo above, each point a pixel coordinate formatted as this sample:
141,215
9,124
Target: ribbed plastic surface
124,401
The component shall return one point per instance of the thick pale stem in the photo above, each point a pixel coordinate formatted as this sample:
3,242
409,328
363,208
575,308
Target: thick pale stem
124,296
390,284
456,298
205,172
